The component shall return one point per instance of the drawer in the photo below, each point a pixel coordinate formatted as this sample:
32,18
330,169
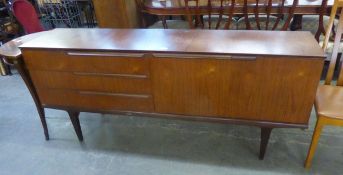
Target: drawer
98,101
94,62
116,83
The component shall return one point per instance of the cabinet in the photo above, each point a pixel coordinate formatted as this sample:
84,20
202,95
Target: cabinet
196,75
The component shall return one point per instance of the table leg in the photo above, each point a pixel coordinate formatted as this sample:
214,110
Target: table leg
297,22
265,134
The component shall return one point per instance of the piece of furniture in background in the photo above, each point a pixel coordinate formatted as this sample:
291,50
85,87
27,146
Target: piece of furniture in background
316,23
263,18
329,99
175,75
176,7
116,13
87,11
27,16
222,20
60,13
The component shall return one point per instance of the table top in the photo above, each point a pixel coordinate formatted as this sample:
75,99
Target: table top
288,43
10,49
181,4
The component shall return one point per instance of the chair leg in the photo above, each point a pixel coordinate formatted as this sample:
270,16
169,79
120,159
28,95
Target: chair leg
74,117
265,134
315,139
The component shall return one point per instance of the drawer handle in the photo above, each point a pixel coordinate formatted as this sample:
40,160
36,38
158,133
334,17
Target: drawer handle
111,75
221,57
106,54
114,94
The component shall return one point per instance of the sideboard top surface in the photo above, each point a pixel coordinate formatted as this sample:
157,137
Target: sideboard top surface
280,43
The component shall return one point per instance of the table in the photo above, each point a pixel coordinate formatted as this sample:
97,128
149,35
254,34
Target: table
261,80
177,7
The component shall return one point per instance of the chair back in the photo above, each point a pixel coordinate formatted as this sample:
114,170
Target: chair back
196,11
266,9
337,42
27,16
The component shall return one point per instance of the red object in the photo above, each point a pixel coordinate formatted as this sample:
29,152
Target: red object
27,16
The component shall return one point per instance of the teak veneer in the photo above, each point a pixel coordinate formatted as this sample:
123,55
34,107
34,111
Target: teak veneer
262,78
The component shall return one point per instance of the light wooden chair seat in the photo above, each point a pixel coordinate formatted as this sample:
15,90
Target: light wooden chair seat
329,101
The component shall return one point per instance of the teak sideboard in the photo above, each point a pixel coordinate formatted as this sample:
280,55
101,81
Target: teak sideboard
261,78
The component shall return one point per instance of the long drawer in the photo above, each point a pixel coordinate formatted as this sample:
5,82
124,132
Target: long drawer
92,62
95,100
113,83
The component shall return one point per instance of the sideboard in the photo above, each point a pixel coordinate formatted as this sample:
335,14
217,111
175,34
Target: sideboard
266,79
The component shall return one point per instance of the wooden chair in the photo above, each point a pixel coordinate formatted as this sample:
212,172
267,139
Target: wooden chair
315,23
254,19
329,98
27,16
223,20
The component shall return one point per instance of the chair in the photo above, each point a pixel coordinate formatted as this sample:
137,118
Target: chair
223,20
315,24
266,20
27,16
329,98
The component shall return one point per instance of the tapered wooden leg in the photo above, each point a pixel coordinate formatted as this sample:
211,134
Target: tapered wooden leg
265,134
19,65
74,117
315,139
41,113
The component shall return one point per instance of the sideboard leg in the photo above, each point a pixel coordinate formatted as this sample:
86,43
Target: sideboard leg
41,113
265,134
19,65
74,117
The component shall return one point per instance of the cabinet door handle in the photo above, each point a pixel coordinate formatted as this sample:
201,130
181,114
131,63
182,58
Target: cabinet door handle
211,56
106,54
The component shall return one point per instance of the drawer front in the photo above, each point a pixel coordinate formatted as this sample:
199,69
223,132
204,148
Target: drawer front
90,100
93,62
113,83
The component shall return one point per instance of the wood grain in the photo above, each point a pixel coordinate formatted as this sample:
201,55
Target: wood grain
270,89
115,83
181,41
100,101
56,60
